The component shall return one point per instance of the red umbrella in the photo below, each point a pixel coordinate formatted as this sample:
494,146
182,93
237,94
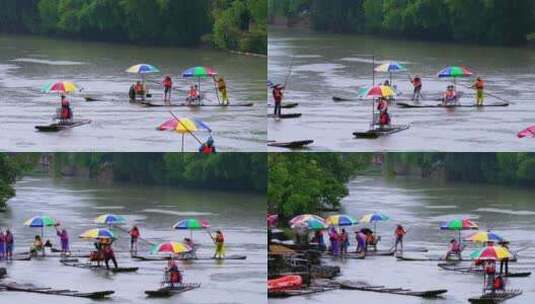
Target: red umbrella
529,132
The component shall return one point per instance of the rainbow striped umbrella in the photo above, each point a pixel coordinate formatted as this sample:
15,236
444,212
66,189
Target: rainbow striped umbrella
184,126
305,217
391,67
374,218
454,72
459,225
491,253
484,237
110,219
341,220
310,224
171,248
59,87
191,224
199,72
98,233
142,68
377,91
40,221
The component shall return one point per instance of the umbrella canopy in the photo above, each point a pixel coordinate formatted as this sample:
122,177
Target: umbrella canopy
184,125
454,72
60,87
110,219
529,132
98,233
377,91
142,68
390,67
310,224
171,247
374,217
272,220
40,221
341,220
491,253
191,224
199,72
305,217
484,236
459,224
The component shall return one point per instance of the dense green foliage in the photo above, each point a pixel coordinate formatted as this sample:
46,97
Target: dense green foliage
229,24
495,168
476,21
11,167
305,182
224,171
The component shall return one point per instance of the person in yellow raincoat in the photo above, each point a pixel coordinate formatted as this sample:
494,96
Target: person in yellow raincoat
222,88
479,85
219,245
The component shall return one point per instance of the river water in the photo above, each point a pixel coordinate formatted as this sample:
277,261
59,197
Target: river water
421,206
27,63
327,65
75,203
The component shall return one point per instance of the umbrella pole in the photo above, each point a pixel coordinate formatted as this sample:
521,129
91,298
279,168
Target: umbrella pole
43,237
182,150
373,70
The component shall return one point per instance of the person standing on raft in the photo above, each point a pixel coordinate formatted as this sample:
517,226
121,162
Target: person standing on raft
222,88
278,95
219,241
167,89
10,240
399,233
417,84
65,114
134,236
173,274
479,85
384,117
64,239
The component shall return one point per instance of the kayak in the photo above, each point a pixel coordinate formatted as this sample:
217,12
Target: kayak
165,292
376,133
286,105
292,144
285,282
286,116
56,127
456,105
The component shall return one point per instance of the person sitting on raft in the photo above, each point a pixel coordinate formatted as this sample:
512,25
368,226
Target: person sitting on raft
219,245
208,147
384,117
139,90
64,239
454,249
222,88
65,114
189,242
173,274
450,96
37,246
417,84
167,89
193,95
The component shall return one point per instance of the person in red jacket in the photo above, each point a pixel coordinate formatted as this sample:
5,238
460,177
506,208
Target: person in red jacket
134,236
208,147
384,117
278,94
168,87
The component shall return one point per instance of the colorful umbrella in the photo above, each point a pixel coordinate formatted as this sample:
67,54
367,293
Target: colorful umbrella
341,220
40,221
454,72
98,233
199,72
484,237
310,224
60,87
305,217
459,225
191,224
491,253
110,219
374,218
529,132
142,68
183,126
272,220
171,247
377,91
390,67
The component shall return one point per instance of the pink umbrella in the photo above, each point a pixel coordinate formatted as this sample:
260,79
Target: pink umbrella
272,220
529,132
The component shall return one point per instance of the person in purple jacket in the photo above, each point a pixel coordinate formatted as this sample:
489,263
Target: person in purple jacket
64,238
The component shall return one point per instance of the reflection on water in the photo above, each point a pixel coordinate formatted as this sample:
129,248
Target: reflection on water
75,203
421,207
327,65
28,63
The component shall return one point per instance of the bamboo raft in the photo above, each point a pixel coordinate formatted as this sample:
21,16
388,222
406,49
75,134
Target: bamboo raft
56,292
166,292
100,267
472,270
298,292
397,291
496,297
187,258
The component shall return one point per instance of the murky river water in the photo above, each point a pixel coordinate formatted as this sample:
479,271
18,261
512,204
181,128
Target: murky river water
28,63
75,203
421,206
327,65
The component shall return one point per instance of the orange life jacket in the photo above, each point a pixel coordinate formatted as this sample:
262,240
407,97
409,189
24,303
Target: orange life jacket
220,239
138,88
277,94
480,84
417,82
206,149
193,92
